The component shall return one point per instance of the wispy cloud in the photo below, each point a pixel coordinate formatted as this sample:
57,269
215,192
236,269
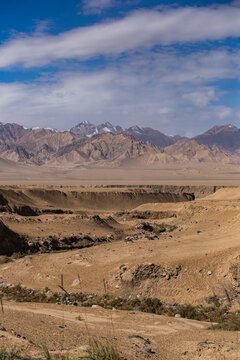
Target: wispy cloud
202,97
42,26
97,6
163,91
138,30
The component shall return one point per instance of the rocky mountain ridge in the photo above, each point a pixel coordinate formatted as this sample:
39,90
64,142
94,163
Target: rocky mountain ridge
140,133
226,137
52,148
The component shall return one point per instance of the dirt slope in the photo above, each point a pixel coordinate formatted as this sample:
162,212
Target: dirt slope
10,241
206,239
225,194
130,333
96,199
194,256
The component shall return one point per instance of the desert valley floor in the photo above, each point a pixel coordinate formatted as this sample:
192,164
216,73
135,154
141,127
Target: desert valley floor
86,262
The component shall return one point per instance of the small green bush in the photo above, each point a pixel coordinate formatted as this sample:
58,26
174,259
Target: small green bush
101,351
97,351
227,326
10,354
150,305
190,312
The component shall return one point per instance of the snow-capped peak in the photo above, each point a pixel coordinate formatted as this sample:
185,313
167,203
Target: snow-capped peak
137,129
106,129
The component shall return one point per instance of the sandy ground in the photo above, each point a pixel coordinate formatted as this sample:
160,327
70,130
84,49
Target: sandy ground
175,174
205,244
70,328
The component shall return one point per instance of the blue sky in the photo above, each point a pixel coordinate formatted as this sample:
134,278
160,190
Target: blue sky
172,65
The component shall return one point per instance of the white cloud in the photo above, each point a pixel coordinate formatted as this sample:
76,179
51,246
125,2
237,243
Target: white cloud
225,112
159,91
42,26
164,111
202,97
139,30
97,6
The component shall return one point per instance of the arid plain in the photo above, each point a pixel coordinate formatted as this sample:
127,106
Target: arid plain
119,180
121,263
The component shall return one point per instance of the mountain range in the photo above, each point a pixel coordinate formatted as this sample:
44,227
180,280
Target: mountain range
226,137
156,137
112,146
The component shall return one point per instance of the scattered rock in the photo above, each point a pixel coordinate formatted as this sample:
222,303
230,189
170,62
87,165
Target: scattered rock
178,316
84,347
148,350
76,282
147,341
128,239
145,226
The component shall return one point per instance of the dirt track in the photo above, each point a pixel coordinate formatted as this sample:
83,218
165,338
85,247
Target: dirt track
130,332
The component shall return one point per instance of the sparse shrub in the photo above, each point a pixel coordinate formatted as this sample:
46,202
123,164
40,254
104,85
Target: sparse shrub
190,312
97,351
154,306
214,300
101,351
20,294
117,303
10,354
227,326
46,353
217,313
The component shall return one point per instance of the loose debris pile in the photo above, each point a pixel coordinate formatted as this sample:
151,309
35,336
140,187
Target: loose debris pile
143,272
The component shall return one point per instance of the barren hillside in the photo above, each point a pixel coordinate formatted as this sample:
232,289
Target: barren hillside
136,262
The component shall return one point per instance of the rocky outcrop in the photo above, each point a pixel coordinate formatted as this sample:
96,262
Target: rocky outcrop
142,272
11,242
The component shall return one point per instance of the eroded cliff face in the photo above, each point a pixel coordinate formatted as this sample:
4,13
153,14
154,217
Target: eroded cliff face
11,242
34,219
199,191
31,201
126,240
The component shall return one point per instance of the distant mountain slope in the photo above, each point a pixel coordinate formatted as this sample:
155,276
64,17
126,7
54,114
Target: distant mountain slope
107,150
192,151
87,129
225,137
148,134
49,147
31,146
8,165
139,133
43,146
